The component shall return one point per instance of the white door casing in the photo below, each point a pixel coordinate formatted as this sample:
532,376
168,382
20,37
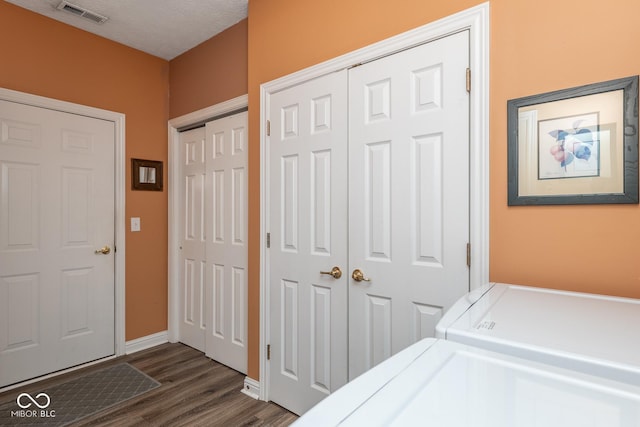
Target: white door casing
193,238
226,243
308,229
58,205
408,196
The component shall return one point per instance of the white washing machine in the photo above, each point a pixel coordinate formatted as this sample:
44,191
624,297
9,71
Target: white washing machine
595,334
447,384
524,357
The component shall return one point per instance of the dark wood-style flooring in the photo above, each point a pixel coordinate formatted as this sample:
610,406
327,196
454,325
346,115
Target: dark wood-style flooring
194,391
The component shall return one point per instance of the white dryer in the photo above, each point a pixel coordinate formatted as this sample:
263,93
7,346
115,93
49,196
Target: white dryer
447,384
594,334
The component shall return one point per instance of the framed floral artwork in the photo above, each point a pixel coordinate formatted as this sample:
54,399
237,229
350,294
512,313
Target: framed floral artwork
574,146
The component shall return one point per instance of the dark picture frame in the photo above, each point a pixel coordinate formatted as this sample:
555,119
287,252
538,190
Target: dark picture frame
146,175
574,146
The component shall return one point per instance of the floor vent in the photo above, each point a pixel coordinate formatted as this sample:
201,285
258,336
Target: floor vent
82,12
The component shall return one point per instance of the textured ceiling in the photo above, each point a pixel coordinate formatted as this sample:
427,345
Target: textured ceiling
163,28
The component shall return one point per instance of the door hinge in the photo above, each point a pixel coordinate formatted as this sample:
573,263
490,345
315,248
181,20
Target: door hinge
469,80
268,240
268,351
268,127
468,254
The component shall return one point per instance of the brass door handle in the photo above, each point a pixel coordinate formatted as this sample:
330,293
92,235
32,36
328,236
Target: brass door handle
103,251
335,272
358,276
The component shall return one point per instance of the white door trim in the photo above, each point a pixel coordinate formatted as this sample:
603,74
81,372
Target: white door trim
174,198
476,20
120,189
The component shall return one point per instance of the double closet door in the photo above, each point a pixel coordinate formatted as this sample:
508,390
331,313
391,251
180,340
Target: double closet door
368,215
213,246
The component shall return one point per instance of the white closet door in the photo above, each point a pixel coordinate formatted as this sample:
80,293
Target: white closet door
193,238
226,247
408,196
56,211
307,152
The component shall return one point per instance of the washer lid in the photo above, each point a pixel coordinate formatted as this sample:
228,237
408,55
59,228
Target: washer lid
453,385
594,333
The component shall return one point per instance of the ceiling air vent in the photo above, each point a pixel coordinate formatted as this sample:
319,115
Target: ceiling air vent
82,12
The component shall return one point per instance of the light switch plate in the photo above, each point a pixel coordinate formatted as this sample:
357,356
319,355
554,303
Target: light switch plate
135,224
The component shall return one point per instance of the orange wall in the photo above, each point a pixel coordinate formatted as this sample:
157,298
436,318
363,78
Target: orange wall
44,57
535,47
210,73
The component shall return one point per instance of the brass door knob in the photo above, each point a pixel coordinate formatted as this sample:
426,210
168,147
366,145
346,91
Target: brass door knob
103,251
335,272
358,276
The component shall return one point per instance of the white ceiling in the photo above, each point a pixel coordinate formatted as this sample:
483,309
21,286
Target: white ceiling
163,28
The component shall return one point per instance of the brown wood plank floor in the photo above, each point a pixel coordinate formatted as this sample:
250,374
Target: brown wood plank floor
194,391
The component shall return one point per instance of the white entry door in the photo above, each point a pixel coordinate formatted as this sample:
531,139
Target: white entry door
213,228
408,196
56,240
308,231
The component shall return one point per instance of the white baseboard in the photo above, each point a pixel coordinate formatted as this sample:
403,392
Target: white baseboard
251,388
144,343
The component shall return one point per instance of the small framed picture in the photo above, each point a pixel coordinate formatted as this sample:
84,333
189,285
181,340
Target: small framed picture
574,146
146,175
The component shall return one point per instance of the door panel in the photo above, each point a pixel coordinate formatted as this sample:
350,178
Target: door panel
377,211
408,196
193,239
320,338
20,206
377,329
226,248
307,172
21,296
57,208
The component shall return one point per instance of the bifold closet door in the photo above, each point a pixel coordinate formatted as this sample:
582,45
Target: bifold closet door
226,247
213,226
193,238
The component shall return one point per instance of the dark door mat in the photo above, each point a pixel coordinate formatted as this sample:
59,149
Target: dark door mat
78,398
